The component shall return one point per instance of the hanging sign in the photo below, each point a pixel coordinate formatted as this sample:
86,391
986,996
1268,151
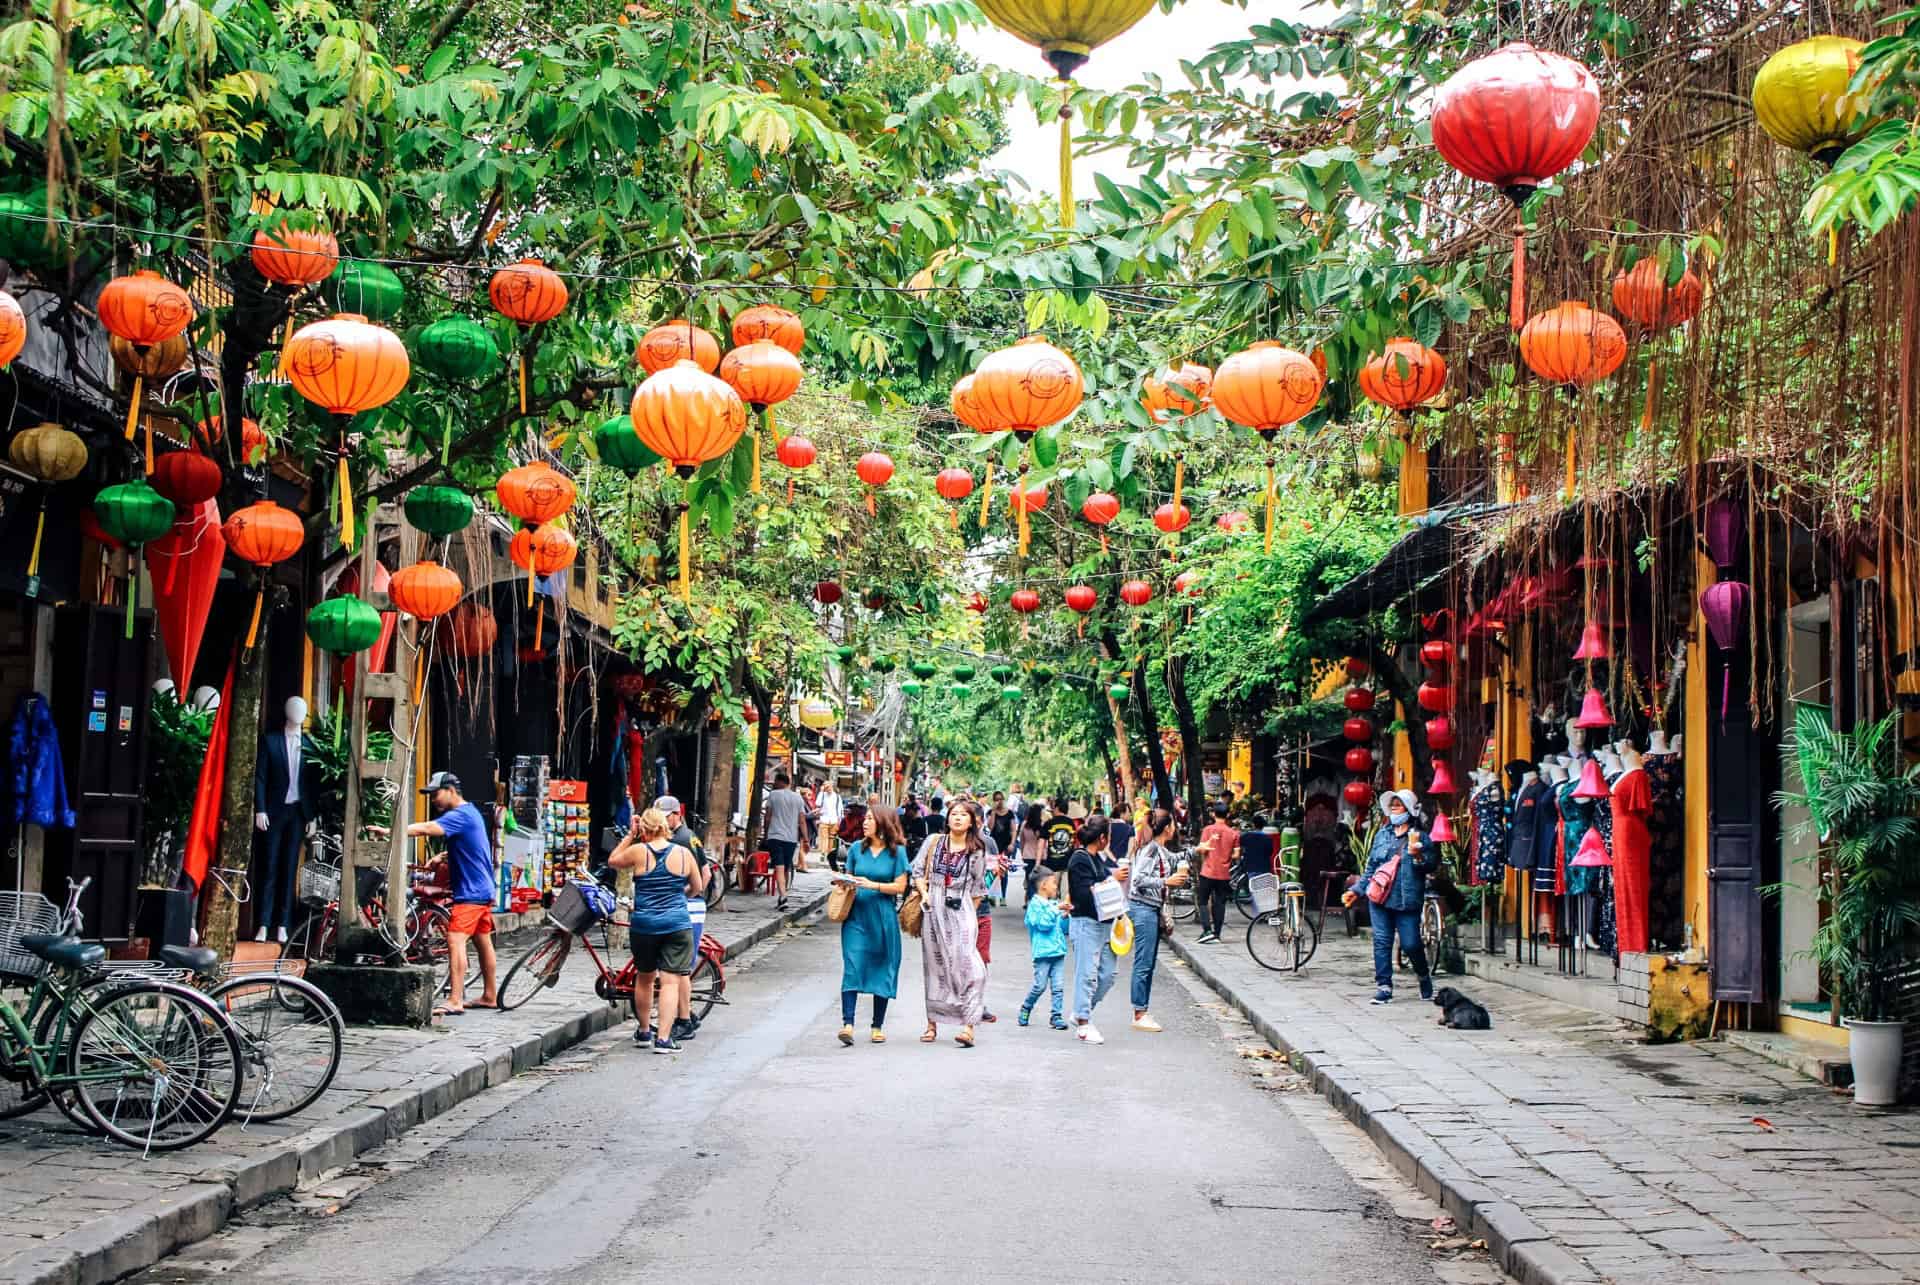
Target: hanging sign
838,758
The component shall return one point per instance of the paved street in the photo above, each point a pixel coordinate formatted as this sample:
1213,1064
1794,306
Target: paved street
769,1149
1605,1158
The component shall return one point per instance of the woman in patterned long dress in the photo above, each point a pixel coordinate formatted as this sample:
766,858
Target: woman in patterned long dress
951,872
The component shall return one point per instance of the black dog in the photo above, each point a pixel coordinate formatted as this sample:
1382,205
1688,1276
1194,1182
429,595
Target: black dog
1462,1014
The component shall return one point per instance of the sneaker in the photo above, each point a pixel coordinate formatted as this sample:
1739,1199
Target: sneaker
643,1038
1145,1022
666,1046
1058,1023
1088,1033
780,904
1025,1014
846,1035
1206,939
1426,988
878,1036
988,1017
1382,996
684,1030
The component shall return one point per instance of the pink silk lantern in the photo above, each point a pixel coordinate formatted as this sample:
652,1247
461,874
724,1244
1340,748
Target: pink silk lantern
1442,831
1442,779
1593,711
1593,850
1592,784
1724,606
1440,733
1593,643
1726,531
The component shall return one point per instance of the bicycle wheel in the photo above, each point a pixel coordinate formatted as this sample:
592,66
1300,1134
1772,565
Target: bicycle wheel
21,1091
716,885
535,970
1275,941
1306,936
312,940
290,1038
707,986
1180,904
156,1066
1433,932
1241,896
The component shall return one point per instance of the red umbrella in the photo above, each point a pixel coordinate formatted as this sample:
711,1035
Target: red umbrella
184,565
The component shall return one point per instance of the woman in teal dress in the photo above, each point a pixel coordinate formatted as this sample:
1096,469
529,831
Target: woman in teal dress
870,937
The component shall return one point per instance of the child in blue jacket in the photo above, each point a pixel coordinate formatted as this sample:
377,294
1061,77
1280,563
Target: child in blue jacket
1047,938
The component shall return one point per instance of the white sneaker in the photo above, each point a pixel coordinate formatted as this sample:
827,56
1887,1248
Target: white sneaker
1145,1022
280,935
1089,1034
260,935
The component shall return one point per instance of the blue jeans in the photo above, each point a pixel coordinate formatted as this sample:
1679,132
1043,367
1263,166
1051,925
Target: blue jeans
1094,965
1048,974
1405,923
1146,951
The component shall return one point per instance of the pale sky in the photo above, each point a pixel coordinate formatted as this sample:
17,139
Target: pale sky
1156,43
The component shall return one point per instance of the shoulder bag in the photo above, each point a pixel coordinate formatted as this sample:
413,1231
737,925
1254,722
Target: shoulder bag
840,900
1381,885
913,906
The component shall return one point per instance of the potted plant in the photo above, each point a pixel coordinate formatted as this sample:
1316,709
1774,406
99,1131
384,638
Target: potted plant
1861,801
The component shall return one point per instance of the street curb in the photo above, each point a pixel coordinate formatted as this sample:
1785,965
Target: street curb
1521,1248
106,1249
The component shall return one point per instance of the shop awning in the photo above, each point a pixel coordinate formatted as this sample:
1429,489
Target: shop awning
1420,555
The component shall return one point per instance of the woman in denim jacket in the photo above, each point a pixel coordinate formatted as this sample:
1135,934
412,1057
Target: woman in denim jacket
1399,915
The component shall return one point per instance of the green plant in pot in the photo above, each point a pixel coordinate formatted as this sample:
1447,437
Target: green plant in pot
177,749
1861,799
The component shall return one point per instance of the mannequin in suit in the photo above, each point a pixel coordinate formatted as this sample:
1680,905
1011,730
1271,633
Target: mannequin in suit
286,798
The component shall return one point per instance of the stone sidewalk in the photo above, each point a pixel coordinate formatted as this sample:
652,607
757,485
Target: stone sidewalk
76,1210
1582,1155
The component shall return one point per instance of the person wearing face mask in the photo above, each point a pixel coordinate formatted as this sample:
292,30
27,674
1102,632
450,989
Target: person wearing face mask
1403,852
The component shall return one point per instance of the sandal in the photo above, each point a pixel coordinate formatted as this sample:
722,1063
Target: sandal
965,1038
929,1035
444,1011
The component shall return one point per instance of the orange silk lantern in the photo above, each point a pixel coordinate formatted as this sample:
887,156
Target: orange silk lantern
1265,387
425,590
543,551
531,294
346,365
1177,392
1572,345
13,329
687,417
1100,508
253,439
970,410
675,341
764,373
295,257
954,484
876,470
1641,295
1406,375
262,534
535,493
144,309
471,629
774,324
1027,387
796,453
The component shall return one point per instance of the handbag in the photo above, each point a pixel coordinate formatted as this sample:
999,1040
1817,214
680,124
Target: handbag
1109,900
913,906
840,900
1382,882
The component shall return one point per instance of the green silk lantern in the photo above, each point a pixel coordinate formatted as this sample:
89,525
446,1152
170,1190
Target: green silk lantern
23,229
961,691
438,510
1002,674
1117,692
1011,694
911,686
456,348
370,289
133,513
963,673
922,670
343,625
620,447
1042,673
881,664
846,654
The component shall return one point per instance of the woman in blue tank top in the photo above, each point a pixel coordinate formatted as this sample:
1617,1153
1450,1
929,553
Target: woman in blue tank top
660,930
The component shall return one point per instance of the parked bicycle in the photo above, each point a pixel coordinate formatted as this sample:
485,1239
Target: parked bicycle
573,916
1280,936
428,909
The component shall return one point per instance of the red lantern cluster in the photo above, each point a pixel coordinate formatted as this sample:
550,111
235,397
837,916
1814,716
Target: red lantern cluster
1358,729
1436,697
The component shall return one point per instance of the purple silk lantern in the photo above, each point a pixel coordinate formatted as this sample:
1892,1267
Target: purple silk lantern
1726,531
1724,605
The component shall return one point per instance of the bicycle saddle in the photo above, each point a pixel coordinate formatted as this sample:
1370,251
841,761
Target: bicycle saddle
65,952
201,959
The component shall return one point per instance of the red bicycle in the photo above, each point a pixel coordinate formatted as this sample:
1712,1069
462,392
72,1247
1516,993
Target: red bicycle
540,965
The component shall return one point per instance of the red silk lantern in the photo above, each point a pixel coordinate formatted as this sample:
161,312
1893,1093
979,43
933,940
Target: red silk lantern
1358,793
1514,119
1233,521
1172,518
1357,729
1437,697
425,590
1407,375
1436,653
876,470
1360,760
953,483
186,478
796,453
1357,667
1573,345
1136,593
1187,584
1027,499
1359,699
1100,508
874,600
772,324
827,592
1440,733
675,341
1024,601
471,629
1082,598
295,257
749,712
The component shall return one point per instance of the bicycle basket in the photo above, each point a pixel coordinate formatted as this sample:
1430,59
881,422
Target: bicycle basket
319,881
1265,890
22,913
576,908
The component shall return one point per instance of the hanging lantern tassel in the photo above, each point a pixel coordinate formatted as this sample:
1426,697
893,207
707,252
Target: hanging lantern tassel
133,407
446,434
149,447
133,599
39,529
756,454
339,712
1179,479
1517,298
523,381
1020,510
539,625
1571,446
253,626
347,532
986,498
953,518
873,510
529,582
1653,394
1269,502
1066,153
686,557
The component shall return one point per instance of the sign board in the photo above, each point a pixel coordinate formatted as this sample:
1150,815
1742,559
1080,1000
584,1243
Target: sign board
837,758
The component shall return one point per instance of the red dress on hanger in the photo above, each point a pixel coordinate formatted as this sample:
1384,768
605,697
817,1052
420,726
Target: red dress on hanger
1632,847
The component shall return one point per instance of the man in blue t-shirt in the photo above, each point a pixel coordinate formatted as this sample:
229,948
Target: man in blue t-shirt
471,868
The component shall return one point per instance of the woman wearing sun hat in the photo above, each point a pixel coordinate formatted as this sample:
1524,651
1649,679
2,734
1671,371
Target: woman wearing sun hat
1402,845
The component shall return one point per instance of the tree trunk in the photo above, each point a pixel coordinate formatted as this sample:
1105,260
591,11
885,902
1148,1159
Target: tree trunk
1190,755
1149,721
763,730
720,786
236,800
1123,748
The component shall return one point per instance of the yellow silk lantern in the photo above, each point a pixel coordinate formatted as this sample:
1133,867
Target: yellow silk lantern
1800,97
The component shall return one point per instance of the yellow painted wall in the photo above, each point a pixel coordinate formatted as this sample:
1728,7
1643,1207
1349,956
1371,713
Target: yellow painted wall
1240,767
1695,759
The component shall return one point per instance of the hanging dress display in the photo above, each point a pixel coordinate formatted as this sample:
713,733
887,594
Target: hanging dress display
1488,807
1666,853
1633,805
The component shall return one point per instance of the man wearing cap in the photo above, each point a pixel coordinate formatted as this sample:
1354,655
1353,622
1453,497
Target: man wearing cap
470,865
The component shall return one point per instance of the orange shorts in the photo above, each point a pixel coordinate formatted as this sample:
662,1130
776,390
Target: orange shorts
470,919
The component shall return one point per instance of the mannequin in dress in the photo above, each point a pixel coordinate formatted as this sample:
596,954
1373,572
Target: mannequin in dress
1609,762
285,802
1554,773
1630,759
1633,801
1674,747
